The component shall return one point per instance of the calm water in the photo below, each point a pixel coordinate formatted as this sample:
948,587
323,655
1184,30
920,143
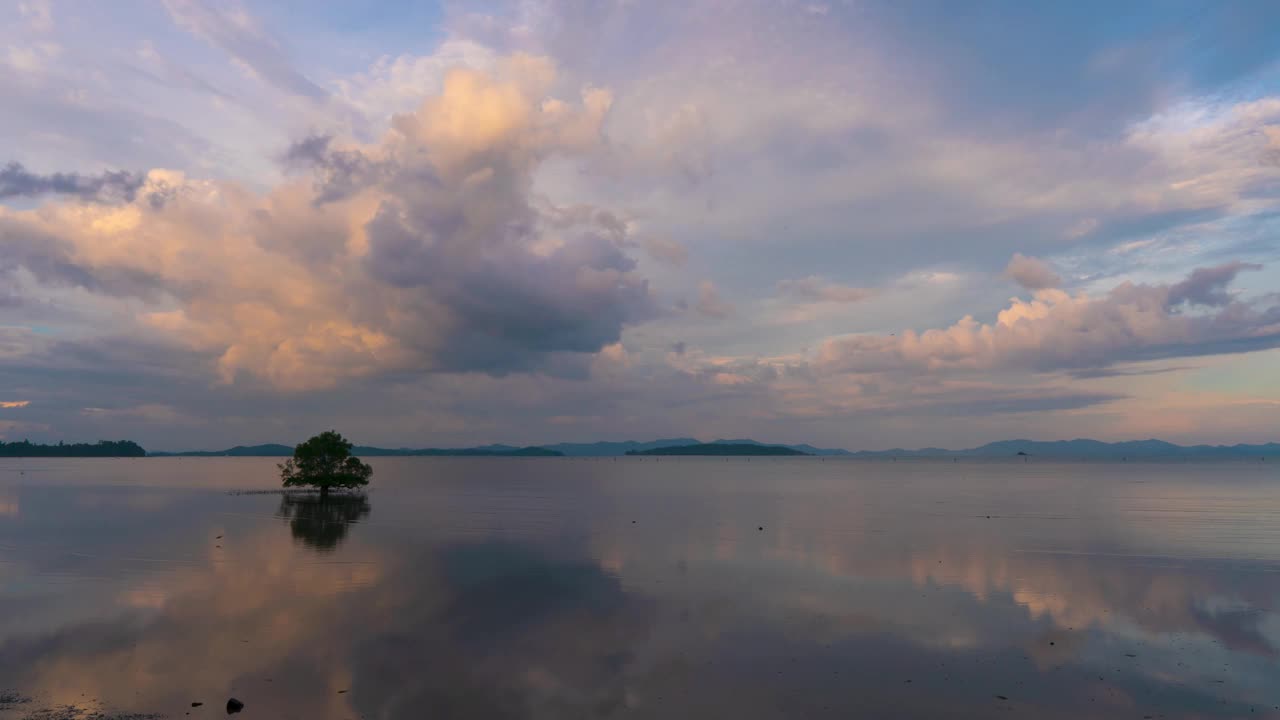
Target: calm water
681,588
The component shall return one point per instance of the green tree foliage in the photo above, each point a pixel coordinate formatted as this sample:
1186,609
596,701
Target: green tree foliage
103,448
325,461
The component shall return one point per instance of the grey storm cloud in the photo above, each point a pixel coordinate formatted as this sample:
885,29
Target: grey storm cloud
1208,286
16,181
338,173
511,306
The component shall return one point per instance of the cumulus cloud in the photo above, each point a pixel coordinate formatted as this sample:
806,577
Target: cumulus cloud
1031,273
1056,331
815,289
18,182
397,85
422,251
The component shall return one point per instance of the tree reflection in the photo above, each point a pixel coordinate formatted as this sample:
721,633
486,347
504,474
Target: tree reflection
322,524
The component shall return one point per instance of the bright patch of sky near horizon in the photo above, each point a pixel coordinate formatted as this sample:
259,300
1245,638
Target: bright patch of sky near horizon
851,224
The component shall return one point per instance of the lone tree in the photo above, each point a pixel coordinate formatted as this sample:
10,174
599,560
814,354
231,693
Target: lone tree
325,461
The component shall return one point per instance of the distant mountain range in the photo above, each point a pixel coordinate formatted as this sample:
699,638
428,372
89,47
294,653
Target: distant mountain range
720,449
607,449
1067,449
1086,449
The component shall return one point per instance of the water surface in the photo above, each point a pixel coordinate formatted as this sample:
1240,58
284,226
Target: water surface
629,588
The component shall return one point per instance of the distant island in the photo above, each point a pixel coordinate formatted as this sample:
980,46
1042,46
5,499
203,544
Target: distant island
100,449
277,450
1023,449
718,449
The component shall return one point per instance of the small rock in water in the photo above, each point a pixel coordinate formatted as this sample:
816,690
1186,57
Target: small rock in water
234,706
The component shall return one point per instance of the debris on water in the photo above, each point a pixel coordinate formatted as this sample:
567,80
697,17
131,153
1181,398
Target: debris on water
1130,655
341,692
760,528
1001,697
196,704
234,706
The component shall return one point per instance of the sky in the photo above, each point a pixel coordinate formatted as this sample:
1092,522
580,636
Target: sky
855,224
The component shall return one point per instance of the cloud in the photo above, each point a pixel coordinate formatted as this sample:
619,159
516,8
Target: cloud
710,303
163,69
1031,273
665,250
1056,331
151,413
241,37
338,173
1208,286
1096,373
7,404
815,289
38,14
18,182
424,251
397,85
